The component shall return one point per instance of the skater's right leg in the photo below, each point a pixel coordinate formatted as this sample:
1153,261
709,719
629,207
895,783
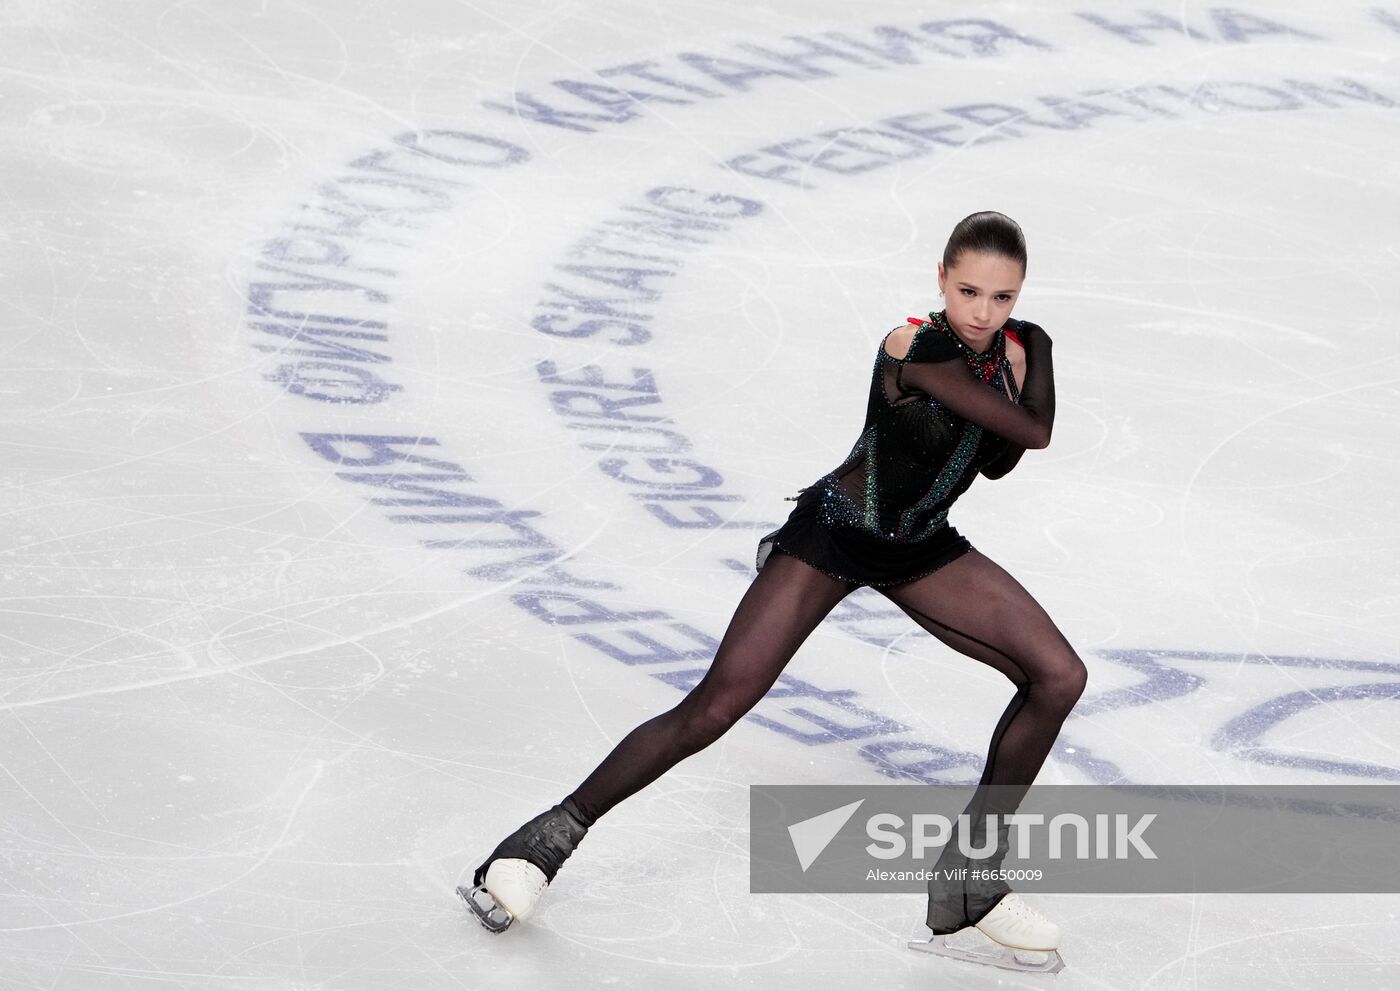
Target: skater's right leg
785,603
782,606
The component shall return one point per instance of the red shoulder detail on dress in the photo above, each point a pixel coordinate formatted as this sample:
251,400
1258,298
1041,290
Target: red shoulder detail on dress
916,320
1014,336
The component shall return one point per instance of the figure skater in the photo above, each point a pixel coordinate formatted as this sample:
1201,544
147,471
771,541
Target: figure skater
963,392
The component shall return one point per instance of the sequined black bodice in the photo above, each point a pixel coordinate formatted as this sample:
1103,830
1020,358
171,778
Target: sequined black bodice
914,456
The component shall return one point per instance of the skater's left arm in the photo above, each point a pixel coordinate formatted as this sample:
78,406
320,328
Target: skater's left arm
1016,356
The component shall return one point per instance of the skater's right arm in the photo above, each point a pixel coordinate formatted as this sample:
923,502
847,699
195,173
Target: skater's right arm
1027,424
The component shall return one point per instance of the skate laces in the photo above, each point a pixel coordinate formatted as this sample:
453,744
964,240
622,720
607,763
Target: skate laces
1022,910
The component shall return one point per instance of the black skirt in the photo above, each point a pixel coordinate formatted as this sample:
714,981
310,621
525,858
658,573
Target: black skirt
858,556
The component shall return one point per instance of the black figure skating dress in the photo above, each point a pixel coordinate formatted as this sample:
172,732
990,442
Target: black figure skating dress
881,516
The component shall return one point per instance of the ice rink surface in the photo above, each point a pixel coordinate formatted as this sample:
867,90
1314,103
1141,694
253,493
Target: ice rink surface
395,395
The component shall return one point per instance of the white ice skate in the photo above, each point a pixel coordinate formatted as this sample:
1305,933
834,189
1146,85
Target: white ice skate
509,893
508,884
1012,935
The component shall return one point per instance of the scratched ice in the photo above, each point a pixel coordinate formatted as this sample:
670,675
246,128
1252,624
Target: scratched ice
396,393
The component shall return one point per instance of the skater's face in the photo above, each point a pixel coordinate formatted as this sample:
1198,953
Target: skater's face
980,290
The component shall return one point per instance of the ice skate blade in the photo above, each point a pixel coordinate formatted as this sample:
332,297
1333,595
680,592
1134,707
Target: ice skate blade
484,907
990,952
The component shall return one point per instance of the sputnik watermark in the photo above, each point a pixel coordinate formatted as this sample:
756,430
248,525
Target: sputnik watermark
1076,838
932,831
1113,837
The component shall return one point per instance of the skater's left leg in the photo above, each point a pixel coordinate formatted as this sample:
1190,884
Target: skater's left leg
978,609
974,606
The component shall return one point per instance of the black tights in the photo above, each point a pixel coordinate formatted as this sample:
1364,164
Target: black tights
971,604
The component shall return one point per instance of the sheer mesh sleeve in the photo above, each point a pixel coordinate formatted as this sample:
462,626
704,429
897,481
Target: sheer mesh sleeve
1004,462
930,369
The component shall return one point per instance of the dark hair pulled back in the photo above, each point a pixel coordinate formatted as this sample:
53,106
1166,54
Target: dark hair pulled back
987,231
